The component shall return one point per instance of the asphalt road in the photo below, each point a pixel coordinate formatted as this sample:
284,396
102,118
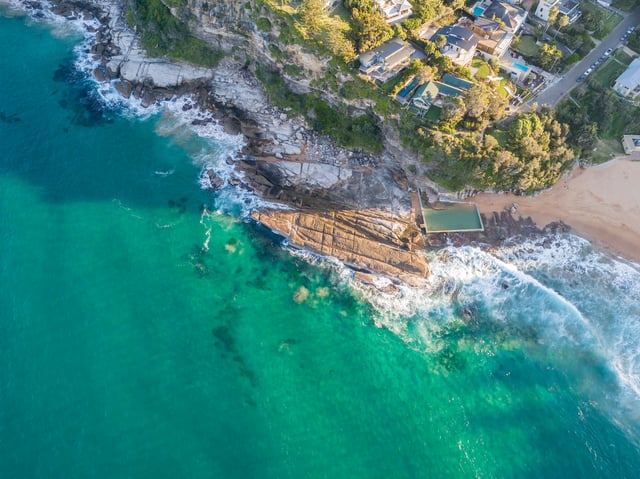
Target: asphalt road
553,94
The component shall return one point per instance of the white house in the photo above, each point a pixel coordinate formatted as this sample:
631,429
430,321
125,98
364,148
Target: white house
628,84
631,144
394,11
570,8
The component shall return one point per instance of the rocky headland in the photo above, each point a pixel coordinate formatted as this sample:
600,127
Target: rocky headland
359,208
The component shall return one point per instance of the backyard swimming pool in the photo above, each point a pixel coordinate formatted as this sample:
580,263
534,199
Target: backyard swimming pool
521,67
477,11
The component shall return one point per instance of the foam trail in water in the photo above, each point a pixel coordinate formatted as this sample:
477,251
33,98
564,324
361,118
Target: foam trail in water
606,290
556,293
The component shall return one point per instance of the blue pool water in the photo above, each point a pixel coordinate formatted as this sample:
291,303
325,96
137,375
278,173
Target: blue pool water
405,91
478,11
521,67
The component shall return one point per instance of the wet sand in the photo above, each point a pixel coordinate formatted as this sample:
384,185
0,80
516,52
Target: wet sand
600,203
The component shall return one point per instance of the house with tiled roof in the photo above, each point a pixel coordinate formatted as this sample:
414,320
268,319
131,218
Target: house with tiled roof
387,60
510,17
461,43
493,40
433,91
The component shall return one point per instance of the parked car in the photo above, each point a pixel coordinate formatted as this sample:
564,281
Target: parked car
608,52
588,72
624,37
580,78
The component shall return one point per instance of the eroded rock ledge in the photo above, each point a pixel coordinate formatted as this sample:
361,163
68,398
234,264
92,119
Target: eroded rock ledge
370,241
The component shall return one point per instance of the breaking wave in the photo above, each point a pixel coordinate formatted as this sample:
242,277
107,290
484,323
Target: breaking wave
549,295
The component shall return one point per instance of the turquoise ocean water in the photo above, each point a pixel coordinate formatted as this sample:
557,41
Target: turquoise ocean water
141,338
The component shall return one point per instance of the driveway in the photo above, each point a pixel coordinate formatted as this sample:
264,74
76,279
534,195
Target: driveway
554,93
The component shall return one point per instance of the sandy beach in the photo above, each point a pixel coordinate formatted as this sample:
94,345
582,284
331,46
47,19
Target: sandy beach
600,203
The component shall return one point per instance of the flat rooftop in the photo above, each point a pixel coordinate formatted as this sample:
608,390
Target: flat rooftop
631,143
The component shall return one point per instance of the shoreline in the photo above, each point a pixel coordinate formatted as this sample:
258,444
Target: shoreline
600,203
284,162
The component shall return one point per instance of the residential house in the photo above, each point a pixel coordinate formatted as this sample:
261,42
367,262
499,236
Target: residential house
387,60
432,92
425,95
493,40
461,43
394,11
511,18
628,84
631,144
570,8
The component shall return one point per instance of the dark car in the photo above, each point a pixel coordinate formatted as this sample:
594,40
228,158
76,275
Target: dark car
580,78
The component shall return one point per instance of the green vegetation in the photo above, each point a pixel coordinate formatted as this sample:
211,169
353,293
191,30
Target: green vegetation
634,41
528,155
622,57
598,20
348,131
578,38
527,46
483,68
626,5
164,34
263,24
549,56
597,116
368,28
606,74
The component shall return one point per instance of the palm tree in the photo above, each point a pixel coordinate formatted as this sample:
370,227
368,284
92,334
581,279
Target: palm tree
562,22
553,15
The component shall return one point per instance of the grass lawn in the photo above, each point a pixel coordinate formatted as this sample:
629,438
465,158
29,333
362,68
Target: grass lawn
500,135
500,84
622,57
605,150
484,70
608,20
606,74
608,24
626,5
433,114
341,12
527,46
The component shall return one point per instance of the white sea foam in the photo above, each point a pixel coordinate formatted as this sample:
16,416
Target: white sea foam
556,293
